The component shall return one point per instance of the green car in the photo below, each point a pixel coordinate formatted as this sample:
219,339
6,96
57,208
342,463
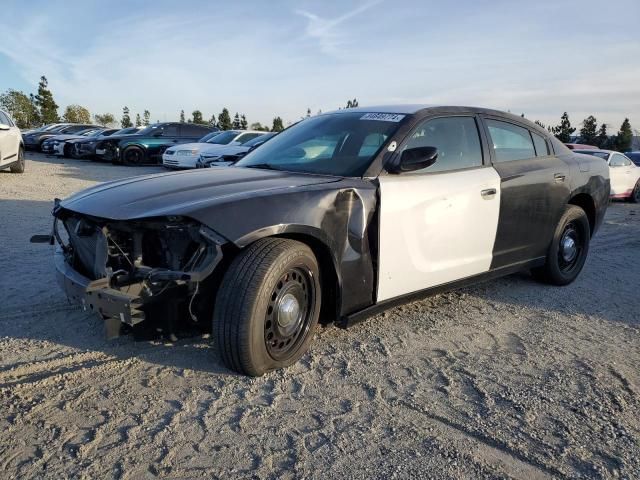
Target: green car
148,145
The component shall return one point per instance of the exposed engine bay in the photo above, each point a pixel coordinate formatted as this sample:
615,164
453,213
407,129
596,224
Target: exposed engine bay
128,269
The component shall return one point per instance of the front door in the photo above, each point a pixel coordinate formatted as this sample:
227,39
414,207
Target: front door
621,174
438,225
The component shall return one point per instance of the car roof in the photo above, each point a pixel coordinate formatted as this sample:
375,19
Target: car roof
411,109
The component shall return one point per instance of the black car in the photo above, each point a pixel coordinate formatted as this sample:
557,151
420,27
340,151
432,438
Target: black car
634,157
86,147
34,140
339,216
147,145
56,145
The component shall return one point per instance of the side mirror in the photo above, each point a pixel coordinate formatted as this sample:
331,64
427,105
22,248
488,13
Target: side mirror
4,126
157,133
415,159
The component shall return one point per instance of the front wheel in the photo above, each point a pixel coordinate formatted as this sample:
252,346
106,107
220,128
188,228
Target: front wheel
268,306
568,250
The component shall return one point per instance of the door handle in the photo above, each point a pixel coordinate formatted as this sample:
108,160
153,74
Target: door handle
488,193
559,177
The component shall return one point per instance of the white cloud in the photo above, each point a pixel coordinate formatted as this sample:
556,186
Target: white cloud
325,31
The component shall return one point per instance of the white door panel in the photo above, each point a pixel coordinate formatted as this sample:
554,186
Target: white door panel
9,144
435,228
621,179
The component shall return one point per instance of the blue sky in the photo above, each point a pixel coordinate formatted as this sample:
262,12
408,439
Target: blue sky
278,58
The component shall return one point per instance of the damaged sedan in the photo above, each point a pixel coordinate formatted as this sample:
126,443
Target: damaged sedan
338,217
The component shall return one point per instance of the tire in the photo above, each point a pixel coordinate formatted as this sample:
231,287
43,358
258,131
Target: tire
67,151
568,250
133,156
18,167
635,195
252,317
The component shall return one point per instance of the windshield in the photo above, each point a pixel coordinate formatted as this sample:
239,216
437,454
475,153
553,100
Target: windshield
126,131
258,140
209,136
96,133
88,132
340,144
223,138
151,128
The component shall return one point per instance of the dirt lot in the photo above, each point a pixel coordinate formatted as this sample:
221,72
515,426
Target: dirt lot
506,379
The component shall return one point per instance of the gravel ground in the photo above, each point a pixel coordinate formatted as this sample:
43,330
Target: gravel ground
506,379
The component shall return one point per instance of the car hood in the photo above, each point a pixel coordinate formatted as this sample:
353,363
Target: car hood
188,193
66,137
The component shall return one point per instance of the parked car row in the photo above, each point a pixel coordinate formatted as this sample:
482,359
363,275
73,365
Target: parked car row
148,145
213,147
58,145
34,139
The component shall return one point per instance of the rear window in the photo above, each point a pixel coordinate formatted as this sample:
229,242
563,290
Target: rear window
510,142
542,149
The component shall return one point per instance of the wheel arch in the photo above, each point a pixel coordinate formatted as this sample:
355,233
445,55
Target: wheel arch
586,202
320,245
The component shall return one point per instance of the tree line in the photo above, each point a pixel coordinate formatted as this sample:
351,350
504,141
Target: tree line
591,134
33,110
40,108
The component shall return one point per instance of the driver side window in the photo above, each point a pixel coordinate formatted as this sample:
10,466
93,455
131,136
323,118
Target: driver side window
456,138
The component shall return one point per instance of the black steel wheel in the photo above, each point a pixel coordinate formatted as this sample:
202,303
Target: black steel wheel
288,315
267,307
568,250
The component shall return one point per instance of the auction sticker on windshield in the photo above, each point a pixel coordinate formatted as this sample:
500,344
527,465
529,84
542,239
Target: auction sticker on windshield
382,117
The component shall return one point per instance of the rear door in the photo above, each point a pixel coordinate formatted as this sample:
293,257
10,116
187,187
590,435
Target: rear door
534,188
438,225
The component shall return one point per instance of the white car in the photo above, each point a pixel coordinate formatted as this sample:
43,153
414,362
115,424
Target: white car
229,154
11,145
187,154
623,173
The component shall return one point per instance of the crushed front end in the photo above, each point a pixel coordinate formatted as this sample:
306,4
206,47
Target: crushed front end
126,270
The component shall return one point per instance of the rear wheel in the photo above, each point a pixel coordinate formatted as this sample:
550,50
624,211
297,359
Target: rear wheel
18,167
568,250
133,156
268,306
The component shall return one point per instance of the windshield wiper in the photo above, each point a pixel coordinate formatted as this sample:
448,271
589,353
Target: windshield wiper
265,166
